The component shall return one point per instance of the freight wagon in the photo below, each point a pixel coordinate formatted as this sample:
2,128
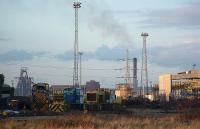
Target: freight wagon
102,99
94,100
40,98
57,104
73,98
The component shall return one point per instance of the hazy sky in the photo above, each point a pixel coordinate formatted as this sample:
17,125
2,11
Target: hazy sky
39,34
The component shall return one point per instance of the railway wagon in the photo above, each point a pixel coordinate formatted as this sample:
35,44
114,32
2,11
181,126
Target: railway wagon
102,99
73,98
40,98
95,100
57,104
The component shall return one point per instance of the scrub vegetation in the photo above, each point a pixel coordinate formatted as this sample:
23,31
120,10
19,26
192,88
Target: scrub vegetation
106,121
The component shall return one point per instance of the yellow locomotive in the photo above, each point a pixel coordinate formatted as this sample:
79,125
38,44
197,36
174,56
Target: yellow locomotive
40,97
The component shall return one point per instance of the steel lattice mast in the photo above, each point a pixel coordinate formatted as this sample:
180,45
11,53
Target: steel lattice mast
127,74
144,70
76,6
80,68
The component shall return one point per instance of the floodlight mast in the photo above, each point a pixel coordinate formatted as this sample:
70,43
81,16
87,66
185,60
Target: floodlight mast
80,67
76,6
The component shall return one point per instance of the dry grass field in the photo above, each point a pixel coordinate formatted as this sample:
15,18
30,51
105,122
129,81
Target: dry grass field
104,121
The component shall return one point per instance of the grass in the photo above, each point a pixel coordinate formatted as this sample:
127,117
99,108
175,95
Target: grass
104,121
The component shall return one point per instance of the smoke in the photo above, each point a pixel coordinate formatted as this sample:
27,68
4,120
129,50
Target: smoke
103,20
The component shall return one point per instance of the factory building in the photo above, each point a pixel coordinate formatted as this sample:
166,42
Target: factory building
123,90
5,90
181,85
165,82
92,85
24,83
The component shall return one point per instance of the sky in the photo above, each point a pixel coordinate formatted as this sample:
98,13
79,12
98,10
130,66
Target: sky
39,34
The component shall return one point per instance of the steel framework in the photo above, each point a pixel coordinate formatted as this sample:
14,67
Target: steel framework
76,6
